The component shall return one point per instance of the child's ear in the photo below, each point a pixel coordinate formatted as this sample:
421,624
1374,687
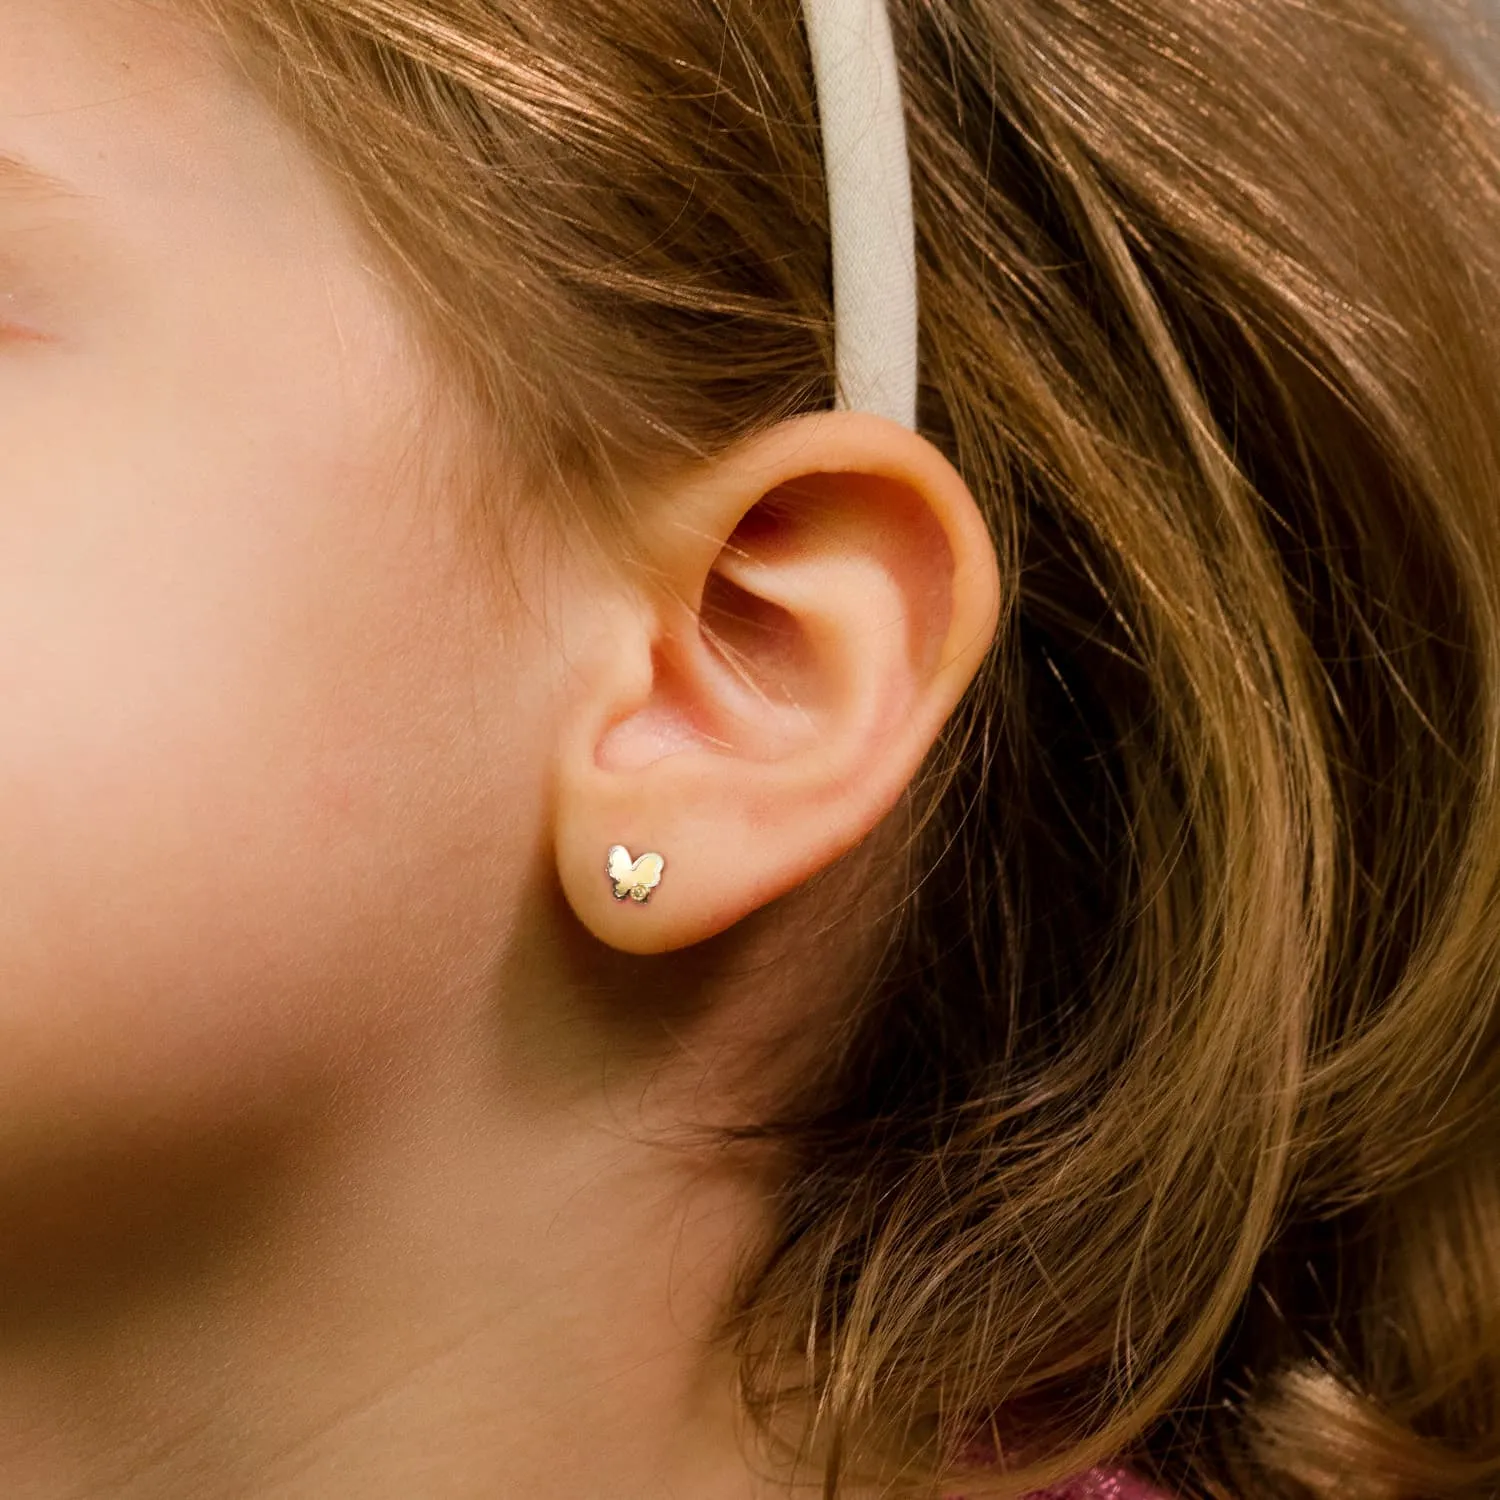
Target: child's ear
754,701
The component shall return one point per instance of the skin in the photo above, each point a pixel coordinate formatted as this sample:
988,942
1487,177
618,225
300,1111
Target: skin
332,1078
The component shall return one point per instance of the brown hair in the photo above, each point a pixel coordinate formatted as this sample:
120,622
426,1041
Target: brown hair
1172,1127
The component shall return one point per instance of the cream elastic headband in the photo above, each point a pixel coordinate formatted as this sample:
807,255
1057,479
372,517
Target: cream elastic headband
869,206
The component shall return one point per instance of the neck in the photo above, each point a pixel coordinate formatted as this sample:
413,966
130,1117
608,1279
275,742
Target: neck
442,1293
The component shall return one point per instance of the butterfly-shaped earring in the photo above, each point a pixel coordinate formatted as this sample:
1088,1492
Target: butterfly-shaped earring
634,878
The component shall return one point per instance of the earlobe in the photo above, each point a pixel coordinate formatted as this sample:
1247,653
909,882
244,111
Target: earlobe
817,601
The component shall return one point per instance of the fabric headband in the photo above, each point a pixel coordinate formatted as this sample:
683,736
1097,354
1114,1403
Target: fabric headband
869,206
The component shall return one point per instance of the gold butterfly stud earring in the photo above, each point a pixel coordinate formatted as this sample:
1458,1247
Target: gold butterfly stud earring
635,878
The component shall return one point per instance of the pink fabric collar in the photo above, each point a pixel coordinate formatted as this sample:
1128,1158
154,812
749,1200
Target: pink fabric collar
1098,1484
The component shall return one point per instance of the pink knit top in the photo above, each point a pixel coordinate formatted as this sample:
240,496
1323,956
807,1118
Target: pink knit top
1104,1484
1098,1484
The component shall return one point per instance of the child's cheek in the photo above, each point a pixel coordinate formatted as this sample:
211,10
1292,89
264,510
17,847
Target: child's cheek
253,795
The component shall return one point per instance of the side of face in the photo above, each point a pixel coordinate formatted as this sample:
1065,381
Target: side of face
263,747
287,779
